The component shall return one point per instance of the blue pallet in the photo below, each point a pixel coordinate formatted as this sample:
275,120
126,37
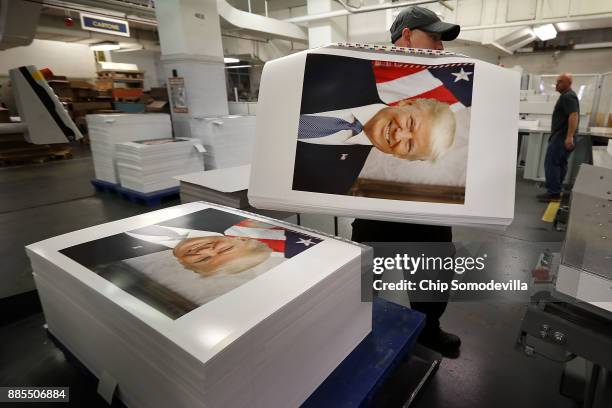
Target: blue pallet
105,186
356,380
149,199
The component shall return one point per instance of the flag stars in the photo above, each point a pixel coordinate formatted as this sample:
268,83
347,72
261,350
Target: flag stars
462,75
306,242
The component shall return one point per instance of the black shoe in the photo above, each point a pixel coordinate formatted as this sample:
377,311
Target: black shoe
547,198
444,343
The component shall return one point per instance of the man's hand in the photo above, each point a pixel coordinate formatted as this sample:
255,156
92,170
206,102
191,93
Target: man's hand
572,125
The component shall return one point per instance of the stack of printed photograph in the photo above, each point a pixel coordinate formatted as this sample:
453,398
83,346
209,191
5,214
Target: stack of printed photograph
202,305
150,165
228,140
106,130
226,186
387,133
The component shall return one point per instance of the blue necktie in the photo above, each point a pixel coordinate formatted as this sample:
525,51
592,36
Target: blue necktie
320,126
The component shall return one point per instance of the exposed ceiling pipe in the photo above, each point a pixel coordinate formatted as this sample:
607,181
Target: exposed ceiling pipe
260,25
353,10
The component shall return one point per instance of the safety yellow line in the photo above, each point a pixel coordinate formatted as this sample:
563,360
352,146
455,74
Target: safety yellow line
551,211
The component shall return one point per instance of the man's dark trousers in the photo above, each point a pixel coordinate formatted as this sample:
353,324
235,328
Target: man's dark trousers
382,231
555,165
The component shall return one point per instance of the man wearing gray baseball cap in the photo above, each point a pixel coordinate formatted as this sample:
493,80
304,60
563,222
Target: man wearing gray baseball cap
418,27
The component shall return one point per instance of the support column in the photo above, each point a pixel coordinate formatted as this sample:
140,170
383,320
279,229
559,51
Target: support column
323,32
190,39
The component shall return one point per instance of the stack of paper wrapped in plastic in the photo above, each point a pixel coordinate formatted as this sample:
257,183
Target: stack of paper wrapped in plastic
226,186
106,130
228,139
150,165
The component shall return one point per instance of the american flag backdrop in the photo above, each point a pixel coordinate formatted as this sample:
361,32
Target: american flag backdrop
287,242
448,83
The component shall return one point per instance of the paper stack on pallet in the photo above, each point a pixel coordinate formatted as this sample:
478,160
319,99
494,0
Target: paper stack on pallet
387,133
106,130
228,140
150,165
222,186
203,305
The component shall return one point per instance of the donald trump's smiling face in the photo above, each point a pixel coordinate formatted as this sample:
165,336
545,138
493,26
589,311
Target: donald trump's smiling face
220,254
418,129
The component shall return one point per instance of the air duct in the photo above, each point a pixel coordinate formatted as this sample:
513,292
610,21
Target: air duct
18,21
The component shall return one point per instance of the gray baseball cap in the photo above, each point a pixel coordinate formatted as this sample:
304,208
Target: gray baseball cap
423,19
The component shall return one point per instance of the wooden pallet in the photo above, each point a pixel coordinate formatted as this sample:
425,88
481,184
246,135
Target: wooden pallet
32,154
151,199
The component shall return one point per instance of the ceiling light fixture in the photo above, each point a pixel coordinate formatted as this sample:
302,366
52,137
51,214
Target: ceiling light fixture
238,66
105,46
588,46
545,32
229,60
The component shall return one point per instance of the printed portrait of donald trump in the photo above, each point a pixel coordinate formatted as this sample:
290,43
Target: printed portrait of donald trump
406,118
247,245
185,262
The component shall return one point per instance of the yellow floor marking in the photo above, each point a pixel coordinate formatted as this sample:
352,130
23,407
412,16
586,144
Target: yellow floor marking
551,211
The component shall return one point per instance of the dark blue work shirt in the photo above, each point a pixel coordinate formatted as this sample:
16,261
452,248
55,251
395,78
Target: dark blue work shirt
566,104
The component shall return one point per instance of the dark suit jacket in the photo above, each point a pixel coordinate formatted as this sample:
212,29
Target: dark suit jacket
332,82
330,169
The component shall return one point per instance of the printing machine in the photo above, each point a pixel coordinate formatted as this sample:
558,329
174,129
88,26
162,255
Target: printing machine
569,318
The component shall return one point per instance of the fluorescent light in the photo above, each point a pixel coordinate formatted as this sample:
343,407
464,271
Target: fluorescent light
105,46
228,60
238,66
545,32
588,46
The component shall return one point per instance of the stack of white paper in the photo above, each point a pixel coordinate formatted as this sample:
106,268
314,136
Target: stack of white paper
222,186
150,165
228,140
387,133
106,130
202,305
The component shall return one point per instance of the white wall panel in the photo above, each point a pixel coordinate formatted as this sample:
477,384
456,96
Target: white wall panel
555,8
582,7
519,10
469,12
72,60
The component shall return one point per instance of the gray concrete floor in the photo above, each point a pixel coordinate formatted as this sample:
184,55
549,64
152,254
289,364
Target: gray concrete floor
41,201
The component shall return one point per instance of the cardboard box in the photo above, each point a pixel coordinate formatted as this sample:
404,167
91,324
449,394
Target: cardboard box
104,84
78,84
82,108
158,106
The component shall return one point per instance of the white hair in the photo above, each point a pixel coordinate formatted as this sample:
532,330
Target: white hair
442,134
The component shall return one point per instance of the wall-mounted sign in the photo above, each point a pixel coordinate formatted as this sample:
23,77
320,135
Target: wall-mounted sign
105,25
178,94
